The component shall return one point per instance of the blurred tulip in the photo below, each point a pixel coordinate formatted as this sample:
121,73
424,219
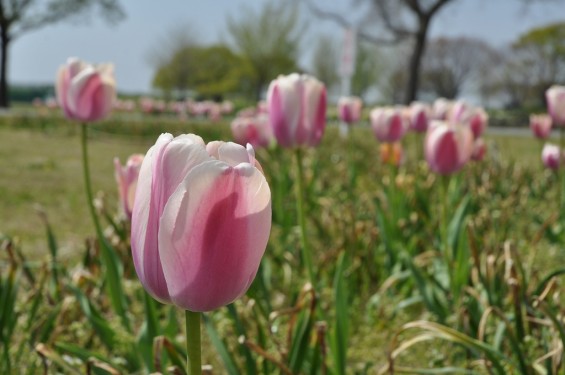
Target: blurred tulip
555,97
126,178
448,147
551,156
391,153
479,150
252,129
349,109
420,116
297,110
389,124
478,121
540,125
200,223
441,108
84,91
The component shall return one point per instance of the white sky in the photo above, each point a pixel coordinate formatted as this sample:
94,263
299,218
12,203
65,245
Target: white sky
35,57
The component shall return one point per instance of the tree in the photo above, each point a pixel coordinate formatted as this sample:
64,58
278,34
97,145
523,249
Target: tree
269,41
402,20
211,71
449,63
325,62
18,17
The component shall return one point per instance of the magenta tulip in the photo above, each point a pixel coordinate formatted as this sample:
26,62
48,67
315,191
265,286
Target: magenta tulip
349,109
551,156
448,147
126,178
253,129
84,91
555,97
200,223
297,110
389,124
420,116
540,126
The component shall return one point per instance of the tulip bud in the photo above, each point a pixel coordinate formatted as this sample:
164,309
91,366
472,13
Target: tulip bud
555,97
551,156
252,129
200,223
126,178
448,147
84,91
389,124
479,150
540,125
297,110
420,116
349,109
441,108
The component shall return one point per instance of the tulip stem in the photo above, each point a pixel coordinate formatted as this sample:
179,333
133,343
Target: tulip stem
306,255
87,181
193,347
448,256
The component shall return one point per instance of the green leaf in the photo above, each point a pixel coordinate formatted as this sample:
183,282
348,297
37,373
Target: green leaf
221,348
341,328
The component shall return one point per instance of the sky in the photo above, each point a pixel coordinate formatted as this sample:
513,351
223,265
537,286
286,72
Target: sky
36,56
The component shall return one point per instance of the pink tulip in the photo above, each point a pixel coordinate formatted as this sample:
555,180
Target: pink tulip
478,121
551,156
84,91
389,124
555,97
479,150
441,108
448,147
349,109
252,129
420,116
541,126
297,110
126,178
200,223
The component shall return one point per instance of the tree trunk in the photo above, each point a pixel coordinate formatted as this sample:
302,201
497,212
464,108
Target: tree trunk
416,61
5,41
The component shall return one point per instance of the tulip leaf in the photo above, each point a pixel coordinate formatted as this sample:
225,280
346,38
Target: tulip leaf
340,332
221,348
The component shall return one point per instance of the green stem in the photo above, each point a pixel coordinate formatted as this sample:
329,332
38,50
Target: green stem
444,225
560,174
87,181
193,348
306,254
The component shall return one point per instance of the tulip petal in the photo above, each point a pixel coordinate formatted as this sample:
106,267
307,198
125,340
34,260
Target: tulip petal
213,233
233,154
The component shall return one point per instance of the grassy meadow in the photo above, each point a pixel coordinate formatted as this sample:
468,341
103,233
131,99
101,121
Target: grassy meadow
375,232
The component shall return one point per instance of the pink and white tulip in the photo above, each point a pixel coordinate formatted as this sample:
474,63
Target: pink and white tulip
252,129
555,97
448,147
389,123
126,178
479,150
540,126
420,116
551,156
84,91
201,221
297,110
349,109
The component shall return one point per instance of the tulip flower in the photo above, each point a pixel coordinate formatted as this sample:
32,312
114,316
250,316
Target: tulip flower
389,124
252,129
540,126
200,223
349,109
441,108
84,91
126,178
479,150
555,97
420,115
448,147
297,110
551,156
